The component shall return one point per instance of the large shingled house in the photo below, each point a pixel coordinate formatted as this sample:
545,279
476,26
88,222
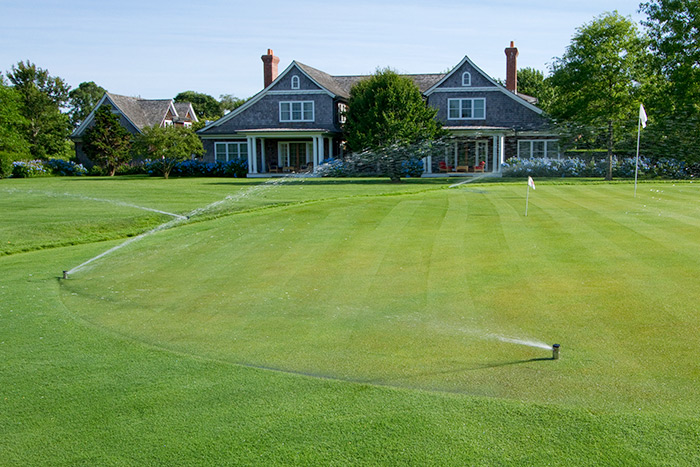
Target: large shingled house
295,122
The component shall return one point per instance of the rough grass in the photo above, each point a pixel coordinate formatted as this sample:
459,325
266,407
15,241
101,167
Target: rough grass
139,365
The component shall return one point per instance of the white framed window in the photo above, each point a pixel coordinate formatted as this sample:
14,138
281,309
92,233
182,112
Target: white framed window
299,111
466,109
295,82
224,152
538,148
466,79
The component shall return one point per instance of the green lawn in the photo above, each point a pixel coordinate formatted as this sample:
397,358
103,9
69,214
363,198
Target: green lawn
349,322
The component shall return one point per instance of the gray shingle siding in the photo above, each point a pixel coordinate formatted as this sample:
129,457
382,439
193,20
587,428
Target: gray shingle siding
285,82
265,114
501,111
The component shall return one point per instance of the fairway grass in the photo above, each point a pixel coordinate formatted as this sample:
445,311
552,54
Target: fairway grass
383,310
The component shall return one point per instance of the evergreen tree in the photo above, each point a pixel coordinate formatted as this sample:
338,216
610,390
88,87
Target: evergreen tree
107,142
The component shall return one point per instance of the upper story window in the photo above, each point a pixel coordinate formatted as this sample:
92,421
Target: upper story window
300,111
466,79
295,82
466,109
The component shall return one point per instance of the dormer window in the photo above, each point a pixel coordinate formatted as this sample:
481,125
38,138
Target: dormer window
466,79
295,82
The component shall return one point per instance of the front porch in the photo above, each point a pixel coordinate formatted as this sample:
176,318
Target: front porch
469,154
281,153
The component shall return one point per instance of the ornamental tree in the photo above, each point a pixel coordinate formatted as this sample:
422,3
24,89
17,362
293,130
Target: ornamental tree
107,142
387,111
168,146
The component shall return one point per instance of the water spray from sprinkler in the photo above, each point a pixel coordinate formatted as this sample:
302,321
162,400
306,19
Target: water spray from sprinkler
555,352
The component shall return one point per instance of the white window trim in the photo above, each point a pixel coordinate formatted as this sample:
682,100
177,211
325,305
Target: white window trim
531,142
230,156
466,79
461,117
303,104
295,82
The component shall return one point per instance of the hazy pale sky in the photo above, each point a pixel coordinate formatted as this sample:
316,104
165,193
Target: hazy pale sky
156,49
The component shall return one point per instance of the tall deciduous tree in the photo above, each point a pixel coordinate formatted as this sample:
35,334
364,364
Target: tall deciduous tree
167,146
674,30
107,142
387,111
230,102
13,144
533,83
42,98
597,80
206,107
82,100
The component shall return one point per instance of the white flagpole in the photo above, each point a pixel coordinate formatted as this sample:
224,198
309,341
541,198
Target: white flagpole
636,162
642,123
527,199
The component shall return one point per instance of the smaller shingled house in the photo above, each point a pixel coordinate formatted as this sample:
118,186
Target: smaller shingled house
135,114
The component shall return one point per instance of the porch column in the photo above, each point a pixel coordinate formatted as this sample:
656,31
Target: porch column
252,155
322,148
330,147
501,152
262,153
428,164
495,154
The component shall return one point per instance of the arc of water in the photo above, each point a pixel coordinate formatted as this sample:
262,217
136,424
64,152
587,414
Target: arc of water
178,219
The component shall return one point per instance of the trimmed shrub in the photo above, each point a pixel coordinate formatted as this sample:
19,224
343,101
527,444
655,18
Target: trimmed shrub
65,168
27,169
197,168
575,167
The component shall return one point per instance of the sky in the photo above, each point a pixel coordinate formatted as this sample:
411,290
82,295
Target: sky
156,49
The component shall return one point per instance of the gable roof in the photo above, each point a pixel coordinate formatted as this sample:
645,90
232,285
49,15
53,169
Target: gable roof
340,86
520,98
139,112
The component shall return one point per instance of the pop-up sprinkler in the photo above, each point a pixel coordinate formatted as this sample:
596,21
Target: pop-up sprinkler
65,274
555,352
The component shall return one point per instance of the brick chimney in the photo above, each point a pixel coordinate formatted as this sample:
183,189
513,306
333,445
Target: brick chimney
512,68
269,67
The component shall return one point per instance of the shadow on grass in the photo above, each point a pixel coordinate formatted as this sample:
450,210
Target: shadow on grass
464,369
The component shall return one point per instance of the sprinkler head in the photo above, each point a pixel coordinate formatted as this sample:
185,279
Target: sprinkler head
555,352
65,274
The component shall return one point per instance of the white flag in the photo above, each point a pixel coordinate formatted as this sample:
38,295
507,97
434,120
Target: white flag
642,115
531,182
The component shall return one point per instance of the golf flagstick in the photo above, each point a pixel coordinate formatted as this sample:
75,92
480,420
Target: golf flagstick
642,124
530,183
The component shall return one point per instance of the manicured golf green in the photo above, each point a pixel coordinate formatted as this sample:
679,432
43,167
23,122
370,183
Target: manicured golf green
350,322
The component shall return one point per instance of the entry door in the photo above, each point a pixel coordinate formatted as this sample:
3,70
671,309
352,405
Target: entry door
297,154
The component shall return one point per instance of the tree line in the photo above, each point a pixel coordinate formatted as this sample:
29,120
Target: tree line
38,112
593,92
